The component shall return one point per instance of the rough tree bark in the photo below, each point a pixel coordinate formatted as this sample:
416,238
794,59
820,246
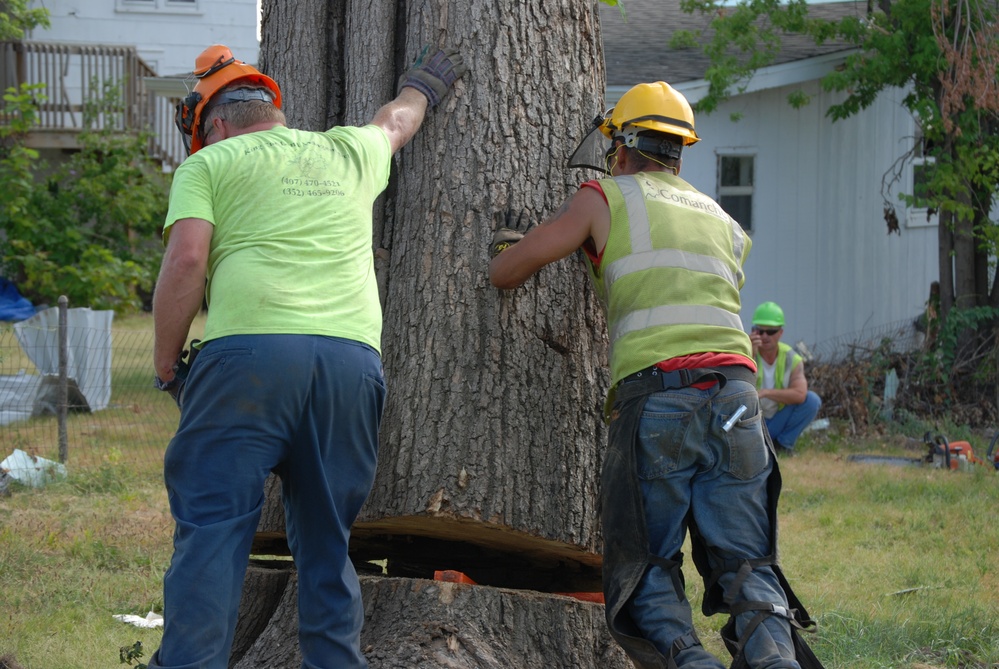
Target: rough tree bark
492,433
491,443
419,624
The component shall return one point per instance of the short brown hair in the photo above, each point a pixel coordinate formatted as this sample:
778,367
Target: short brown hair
243,114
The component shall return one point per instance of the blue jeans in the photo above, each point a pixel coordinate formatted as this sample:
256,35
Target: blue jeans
786,425
307,408
687,464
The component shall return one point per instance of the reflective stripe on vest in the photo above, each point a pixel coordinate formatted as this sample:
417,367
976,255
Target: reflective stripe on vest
671,273
785,365
641,241
786,360
673,315
644,256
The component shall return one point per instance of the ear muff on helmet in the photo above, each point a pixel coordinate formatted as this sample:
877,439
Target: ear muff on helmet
185,113
216,69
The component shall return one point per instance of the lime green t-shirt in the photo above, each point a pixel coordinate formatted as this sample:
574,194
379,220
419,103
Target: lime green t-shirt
291,250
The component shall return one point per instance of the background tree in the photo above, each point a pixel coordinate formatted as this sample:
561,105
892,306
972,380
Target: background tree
492,436
16,18
945,54
86,227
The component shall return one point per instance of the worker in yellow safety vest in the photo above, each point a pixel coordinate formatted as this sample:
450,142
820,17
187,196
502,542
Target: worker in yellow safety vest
788,405
687,447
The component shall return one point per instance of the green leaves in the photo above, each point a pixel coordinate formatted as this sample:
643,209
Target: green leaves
742,38
87,228
15,18
615,3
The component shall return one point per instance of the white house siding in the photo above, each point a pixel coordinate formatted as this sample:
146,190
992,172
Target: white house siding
168,36
820,243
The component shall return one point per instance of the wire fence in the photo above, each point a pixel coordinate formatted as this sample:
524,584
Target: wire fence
78,392
83,395
901,336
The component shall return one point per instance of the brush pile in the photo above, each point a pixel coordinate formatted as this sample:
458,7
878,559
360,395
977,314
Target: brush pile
961,389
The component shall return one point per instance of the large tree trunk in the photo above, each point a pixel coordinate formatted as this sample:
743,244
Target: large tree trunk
492,434
492,441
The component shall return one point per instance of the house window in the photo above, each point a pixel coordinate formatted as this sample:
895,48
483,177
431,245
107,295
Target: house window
921,215
164,6
735,187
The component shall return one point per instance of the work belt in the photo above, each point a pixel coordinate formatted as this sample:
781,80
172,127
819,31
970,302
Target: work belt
652,379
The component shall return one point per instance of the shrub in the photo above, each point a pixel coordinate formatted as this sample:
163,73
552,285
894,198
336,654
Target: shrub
87,228
952,380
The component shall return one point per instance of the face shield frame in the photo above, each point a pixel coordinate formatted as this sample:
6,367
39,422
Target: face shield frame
594,150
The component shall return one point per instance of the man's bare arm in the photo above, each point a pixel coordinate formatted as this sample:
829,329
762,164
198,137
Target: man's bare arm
561,235
796,391
180,290
402,117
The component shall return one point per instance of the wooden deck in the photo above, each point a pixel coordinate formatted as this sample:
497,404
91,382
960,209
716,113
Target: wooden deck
77,74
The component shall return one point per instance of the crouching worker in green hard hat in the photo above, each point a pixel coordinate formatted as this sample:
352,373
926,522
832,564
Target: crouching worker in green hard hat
687,446
788,405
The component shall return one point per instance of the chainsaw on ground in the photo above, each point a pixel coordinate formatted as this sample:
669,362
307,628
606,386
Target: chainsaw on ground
958,455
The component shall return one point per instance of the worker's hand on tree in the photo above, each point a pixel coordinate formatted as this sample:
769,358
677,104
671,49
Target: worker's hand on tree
434,76
512,228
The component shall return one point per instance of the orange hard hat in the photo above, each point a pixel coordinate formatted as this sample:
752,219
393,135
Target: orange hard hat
215,69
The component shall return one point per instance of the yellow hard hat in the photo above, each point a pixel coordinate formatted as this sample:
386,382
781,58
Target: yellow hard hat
657,107
215,69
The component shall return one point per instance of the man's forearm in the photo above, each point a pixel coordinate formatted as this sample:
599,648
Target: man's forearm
176,302
784,395
402,117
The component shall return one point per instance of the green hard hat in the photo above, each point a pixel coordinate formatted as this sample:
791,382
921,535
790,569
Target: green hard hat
769,313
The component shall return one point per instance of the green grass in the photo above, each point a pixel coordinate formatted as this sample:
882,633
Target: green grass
897,564
72,555
96,544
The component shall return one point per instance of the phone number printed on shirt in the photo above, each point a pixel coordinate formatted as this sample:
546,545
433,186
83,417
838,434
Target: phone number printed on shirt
299,187
313,192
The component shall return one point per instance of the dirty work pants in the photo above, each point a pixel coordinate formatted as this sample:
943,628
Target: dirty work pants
307,408
687,464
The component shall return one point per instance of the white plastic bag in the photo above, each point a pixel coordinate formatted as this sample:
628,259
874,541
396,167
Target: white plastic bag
151,620
30,470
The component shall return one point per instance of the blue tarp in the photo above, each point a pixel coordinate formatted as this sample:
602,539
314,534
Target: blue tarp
13,307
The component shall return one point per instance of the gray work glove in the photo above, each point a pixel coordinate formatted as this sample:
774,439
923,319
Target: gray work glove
434,76
509,233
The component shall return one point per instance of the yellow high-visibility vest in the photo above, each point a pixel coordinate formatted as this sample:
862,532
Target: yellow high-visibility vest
670,274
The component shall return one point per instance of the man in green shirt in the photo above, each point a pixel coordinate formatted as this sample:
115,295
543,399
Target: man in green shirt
273,227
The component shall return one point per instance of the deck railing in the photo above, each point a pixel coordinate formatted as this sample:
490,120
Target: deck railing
75,74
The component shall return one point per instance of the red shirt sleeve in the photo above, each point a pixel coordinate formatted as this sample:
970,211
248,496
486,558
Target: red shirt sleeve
590,253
